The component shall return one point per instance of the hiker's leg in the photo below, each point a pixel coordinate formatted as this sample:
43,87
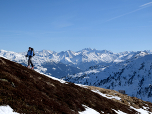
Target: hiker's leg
31,61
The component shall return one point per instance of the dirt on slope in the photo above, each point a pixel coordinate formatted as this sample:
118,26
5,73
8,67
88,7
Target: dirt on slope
29,92
125,99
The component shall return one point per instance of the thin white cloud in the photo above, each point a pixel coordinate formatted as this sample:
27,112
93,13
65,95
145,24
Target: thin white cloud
141,7
124,14
147,4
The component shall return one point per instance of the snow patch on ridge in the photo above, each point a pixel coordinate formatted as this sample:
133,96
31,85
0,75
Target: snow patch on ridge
89,111
7,110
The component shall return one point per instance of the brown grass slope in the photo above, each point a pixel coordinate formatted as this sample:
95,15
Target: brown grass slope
27,91
125,99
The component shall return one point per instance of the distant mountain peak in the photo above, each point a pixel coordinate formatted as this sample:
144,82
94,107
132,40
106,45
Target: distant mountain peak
141,54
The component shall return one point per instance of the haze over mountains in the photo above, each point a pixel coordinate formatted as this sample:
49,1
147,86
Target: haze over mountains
129,71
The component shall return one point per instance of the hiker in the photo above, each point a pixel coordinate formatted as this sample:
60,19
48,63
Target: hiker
30,55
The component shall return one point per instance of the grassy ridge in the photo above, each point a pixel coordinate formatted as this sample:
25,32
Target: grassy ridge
27,91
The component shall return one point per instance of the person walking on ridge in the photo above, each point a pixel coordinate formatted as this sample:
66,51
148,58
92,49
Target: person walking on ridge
30,55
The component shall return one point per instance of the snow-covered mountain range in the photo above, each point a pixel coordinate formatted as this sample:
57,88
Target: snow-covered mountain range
129,71
134,75
82,59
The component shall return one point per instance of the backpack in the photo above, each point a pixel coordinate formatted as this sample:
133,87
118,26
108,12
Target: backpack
33,51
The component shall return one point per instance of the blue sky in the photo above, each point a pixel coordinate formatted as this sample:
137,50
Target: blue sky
60,25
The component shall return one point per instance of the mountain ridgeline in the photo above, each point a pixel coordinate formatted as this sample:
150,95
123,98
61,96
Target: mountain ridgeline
129,71
80,60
